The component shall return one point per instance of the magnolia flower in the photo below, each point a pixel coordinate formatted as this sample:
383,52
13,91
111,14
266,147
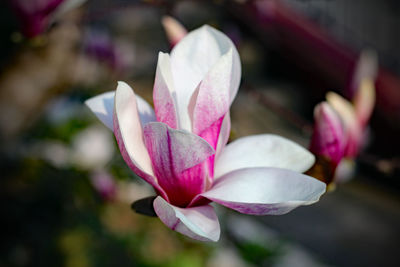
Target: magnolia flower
180,147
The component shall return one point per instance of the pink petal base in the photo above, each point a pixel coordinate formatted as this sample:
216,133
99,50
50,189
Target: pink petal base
177,157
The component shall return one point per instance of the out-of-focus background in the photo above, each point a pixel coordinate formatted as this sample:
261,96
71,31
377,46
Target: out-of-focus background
65,191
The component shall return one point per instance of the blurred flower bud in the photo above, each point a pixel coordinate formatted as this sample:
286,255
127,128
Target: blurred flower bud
328,139
352,127
174,30
365,69
34,16
364,101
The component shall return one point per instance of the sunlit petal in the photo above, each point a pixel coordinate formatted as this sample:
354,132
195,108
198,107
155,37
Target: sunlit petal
103,105
191,60
128,132
164,93
265,150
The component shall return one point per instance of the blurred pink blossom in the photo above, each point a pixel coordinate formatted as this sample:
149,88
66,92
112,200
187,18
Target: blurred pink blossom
116,54
340,127
104,184
34,16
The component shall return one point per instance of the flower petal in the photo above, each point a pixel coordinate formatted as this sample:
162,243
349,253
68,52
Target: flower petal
210,103
224,134
146,112
265,191
364,101
352,126
264,150
177,158
366,69
128,132
191,60
363,85
328,137
212,100
164,103
103,105
200,223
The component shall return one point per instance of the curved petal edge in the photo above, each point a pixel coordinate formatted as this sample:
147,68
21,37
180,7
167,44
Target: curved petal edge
265,191
264,150
129,134
200,223
103,106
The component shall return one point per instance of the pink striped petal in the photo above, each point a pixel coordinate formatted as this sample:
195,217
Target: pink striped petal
328,137
224,134
264,150
222,141
200,223
164,103
265,191
177,157
128,132
103,107
210,103
212,100
352,126
193,57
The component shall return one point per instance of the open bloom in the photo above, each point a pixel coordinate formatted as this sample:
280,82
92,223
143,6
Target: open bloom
180,147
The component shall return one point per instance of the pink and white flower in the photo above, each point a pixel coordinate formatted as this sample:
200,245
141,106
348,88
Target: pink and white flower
180,147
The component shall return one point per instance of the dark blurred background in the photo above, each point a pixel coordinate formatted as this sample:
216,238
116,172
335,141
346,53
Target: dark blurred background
66,192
